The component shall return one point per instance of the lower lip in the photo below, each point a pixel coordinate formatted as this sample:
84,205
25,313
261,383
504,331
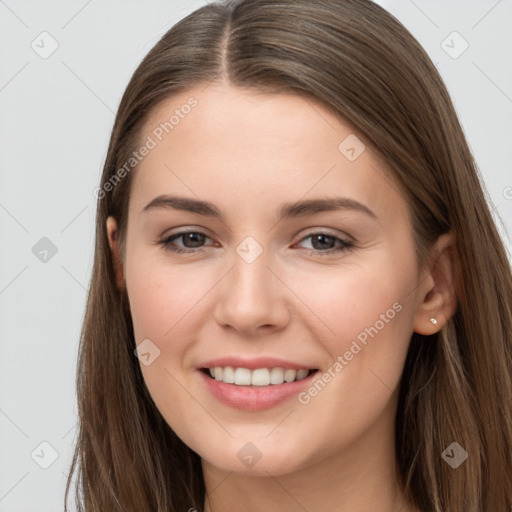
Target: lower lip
254,398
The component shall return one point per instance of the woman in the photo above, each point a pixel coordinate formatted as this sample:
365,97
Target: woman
299,300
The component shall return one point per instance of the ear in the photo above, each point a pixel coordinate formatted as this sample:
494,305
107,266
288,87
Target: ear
114,248
438,299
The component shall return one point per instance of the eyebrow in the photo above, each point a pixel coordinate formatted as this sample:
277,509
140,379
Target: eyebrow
286,211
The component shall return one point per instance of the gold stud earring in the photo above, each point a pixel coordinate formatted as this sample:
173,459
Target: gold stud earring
433,320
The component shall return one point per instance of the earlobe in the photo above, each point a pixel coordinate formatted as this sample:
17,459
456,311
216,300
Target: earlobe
438,298
114,248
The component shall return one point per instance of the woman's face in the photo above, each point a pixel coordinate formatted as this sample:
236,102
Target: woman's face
302,260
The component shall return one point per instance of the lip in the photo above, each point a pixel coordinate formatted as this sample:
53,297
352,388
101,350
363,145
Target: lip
254,398
254,363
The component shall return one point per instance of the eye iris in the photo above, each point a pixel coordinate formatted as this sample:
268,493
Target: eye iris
195,238
323,238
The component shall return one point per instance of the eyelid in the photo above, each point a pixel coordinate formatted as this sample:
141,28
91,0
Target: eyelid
310,231
328,231
346,244
183,230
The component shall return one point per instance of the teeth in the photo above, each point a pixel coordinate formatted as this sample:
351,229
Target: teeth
258,377
302,374
276,376
289,375
242,376
228,375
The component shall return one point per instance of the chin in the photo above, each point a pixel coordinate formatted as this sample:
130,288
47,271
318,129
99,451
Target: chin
251,461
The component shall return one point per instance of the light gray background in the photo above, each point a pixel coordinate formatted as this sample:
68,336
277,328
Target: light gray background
55,121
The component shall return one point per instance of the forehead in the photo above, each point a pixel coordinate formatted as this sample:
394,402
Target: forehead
223,141
207,114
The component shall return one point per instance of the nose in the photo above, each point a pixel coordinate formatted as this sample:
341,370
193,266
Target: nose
252,298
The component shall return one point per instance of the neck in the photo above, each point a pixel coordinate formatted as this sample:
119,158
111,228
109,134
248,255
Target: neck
357,478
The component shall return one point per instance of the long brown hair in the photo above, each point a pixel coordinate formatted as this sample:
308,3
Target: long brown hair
358,60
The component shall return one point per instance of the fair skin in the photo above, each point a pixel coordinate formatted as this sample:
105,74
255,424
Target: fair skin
248,154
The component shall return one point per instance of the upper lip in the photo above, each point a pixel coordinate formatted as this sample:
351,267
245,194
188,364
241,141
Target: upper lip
254,363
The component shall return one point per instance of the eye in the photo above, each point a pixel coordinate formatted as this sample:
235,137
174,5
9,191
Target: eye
326,244
323,244
192,241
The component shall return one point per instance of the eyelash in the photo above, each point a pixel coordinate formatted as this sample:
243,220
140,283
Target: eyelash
167,244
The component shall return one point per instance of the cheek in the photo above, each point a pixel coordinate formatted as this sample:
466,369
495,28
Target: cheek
154,290
169,302
165,301
368,313
360,302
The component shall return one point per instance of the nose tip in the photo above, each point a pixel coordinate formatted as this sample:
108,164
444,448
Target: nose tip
251,298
